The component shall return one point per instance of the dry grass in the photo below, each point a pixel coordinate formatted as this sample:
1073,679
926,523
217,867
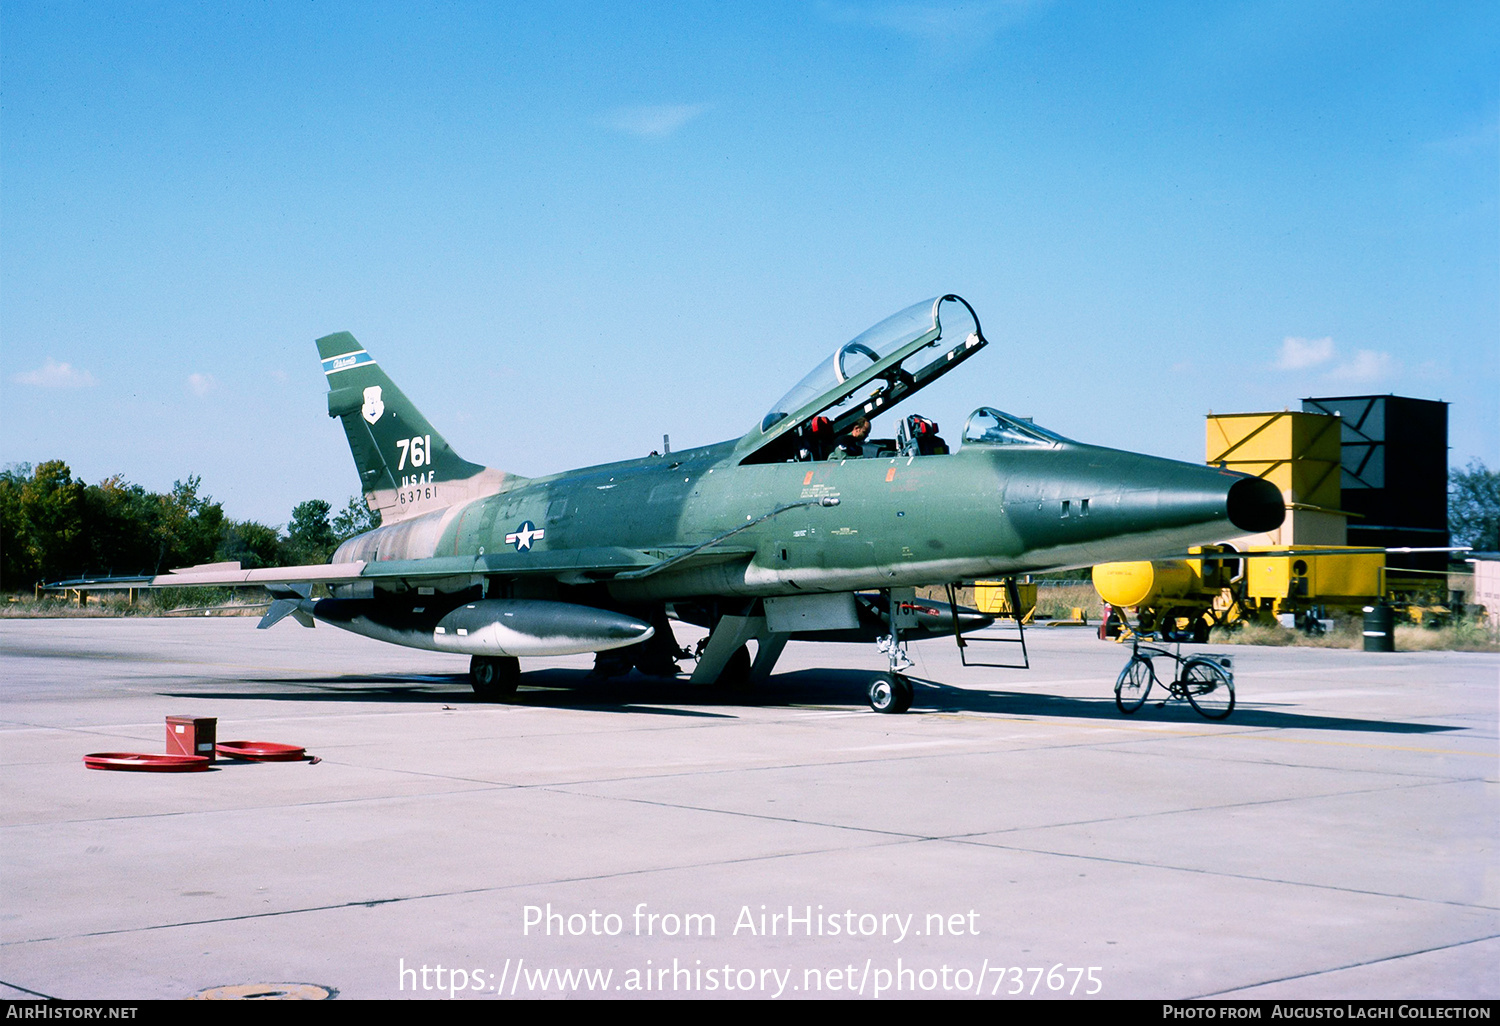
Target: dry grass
1057,602
1465,636
24,607
164,602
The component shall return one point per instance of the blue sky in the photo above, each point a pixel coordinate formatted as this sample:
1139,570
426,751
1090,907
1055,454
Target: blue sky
568,229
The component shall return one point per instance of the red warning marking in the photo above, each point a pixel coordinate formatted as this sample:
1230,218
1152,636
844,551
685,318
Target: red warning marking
890,475
808,479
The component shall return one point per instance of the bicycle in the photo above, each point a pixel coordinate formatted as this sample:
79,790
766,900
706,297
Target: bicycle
1206,680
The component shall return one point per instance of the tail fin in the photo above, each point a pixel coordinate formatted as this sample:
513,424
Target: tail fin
405,467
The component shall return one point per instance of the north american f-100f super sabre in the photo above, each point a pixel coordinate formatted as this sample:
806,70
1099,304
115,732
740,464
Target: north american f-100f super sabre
801,528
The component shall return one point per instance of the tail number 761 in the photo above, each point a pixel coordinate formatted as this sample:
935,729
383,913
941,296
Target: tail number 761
418,448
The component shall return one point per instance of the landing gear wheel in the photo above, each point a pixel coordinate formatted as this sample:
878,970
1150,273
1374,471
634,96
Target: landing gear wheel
1209,688
890,693
1134,685
494,678
736,672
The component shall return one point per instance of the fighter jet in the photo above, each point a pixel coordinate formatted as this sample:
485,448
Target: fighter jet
804,527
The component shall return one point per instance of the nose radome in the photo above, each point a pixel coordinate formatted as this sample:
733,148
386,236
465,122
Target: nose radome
1167,495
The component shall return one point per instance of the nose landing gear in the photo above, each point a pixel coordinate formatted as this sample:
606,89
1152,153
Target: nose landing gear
891,692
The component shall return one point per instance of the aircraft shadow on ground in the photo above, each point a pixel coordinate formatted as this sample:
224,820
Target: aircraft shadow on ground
577,689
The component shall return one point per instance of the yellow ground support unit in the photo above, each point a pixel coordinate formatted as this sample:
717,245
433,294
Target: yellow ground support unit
991,597
1229,589
1330,579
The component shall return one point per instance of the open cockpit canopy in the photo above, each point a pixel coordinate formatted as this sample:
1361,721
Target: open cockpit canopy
868,375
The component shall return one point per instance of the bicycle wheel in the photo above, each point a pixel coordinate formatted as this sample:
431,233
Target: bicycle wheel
1209,688
1134,684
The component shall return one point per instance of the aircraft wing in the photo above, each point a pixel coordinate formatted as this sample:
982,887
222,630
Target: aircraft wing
594,562
228,574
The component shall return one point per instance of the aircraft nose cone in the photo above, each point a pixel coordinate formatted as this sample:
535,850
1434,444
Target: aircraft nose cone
1255,505
1166,505
1189,494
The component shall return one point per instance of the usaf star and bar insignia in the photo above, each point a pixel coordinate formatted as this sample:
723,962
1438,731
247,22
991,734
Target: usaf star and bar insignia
524,535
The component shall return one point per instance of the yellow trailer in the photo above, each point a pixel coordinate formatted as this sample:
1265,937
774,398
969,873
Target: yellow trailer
991,597
1322,578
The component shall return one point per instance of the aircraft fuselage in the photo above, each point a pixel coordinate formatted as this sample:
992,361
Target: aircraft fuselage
899,521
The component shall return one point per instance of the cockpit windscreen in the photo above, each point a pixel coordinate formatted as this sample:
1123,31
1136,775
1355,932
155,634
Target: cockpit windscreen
987,426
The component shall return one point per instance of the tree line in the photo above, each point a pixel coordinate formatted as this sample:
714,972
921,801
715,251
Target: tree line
54,527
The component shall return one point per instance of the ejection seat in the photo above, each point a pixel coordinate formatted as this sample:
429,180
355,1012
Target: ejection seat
818,439
922,437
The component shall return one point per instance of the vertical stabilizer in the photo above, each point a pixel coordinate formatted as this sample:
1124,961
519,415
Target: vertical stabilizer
405,466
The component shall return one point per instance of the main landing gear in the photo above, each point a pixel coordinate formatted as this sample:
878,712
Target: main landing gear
494,678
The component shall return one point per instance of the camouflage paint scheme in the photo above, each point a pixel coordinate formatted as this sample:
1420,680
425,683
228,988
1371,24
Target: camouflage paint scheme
713,531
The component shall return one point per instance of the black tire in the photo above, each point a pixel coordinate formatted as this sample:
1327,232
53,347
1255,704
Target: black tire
1134,684
1209,688
494,678
890,693
1200,630
1166,625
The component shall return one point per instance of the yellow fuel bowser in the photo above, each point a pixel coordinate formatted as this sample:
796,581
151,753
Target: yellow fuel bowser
1166,593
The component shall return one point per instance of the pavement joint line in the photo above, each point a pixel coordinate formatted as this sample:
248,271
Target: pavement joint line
713,770
999,752
705,771
578,789
24,990
1245,732
1203,808
239,809
899,839
1237,731
903,837
1231,876
972,837
1351,965
1267,760
376,902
